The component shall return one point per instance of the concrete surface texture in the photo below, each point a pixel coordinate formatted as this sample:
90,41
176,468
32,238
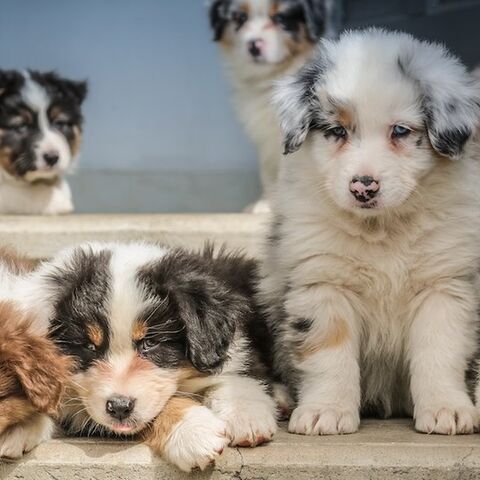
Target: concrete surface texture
382,450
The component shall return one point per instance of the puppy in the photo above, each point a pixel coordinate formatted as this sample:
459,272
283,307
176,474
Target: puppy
371,278
40,136
32,371
262,40
149,325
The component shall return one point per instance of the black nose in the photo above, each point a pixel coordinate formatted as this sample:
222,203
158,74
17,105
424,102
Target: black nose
120,407
254,49
51,158
364,188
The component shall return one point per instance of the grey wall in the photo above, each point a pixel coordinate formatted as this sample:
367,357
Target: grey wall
158,117
160,132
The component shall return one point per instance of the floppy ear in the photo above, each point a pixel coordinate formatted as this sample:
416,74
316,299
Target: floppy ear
10,80
296,101
219,17
450,97
207,308
315,17
70,88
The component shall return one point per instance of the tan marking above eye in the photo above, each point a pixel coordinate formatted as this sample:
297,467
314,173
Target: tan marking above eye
95,334
139,330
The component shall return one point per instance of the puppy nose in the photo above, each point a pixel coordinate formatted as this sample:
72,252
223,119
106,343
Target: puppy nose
120,407
51,158
255,47
364,188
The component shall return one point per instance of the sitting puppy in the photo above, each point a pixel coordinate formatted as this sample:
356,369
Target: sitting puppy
40,135
262,40
32,371
145,323
372,277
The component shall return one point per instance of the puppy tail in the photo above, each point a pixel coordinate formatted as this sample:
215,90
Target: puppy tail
30,363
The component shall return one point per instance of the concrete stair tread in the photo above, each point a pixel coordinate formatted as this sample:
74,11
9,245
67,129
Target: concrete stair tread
380,450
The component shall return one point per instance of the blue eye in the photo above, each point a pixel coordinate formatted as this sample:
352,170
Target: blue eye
339,132
400,131
147,344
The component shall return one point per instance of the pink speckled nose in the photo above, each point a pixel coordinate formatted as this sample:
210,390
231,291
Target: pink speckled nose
364,188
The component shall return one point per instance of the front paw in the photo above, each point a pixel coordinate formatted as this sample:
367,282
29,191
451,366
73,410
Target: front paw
323,420
23,437
197,440
447,420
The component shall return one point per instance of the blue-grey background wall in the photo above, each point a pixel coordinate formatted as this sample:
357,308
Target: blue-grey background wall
160,132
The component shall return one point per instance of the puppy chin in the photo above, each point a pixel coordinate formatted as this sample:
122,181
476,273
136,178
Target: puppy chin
43,174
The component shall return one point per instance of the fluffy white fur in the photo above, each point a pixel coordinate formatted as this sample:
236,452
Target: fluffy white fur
376,308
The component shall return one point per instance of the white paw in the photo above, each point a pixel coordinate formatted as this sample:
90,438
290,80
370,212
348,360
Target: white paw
318,420
447,420
23,437
197,440
250,415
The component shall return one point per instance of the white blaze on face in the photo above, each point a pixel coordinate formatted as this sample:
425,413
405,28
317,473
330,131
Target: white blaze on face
50,141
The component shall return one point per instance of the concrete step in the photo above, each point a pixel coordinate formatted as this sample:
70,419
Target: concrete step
41,237
381,450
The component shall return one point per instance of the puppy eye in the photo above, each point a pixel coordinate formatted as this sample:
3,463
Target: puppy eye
279,19
338,132
91,347
61,125
19,128
400,131
146,345
240,18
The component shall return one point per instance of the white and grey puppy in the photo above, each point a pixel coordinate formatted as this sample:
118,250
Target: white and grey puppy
40,136
145,323
372,277
261,40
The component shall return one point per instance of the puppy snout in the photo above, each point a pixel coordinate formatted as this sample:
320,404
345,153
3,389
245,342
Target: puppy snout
364,188
255,47
120,407
51,157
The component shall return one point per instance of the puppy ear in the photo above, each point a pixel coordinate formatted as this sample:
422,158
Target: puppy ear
207,308
450,97
219,17
315,17
73,89
296,101
78,89
10,80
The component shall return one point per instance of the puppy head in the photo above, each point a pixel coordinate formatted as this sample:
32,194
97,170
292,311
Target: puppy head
379,110
139,320
267,32
40,123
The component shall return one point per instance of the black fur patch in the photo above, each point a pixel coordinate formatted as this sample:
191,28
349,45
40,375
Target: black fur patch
205,298
83,287
219,17
302,325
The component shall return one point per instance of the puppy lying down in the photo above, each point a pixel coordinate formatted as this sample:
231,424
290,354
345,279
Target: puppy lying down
33,373
165,346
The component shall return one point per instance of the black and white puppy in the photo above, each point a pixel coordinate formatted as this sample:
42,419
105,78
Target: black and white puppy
372,278
262,40
145,323
40,136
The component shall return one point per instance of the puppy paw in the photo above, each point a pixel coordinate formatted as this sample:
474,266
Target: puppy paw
25,436
317,420
197,440
446,420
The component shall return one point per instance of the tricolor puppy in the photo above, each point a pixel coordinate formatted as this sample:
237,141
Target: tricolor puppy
40,135
261,40
145,323
33,373
372,278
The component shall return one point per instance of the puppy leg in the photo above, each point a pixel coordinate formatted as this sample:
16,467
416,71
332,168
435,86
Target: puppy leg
187,434
325,353
442,340
244,405
26,435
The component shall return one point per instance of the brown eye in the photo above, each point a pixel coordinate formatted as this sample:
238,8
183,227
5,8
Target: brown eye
146,345
91,347
399,131
240,18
